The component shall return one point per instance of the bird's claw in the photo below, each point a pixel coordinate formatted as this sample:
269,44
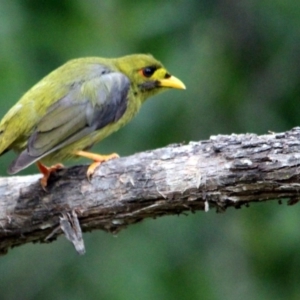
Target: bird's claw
100,159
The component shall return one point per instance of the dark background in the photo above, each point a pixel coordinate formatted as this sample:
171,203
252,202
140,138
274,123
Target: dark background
240,61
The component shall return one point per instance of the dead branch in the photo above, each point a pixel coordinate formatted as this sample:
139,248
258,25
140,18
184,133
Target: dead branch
224,171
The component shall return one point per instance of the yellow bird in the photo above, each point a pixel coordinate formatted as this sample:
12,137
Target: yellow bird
78,105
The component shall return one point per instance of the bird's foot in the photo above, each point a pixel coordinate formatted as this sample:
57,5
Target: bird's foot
98,160
46,171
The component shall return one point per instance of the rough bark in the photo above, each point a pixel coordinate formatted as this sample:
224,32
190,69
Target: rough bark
224,171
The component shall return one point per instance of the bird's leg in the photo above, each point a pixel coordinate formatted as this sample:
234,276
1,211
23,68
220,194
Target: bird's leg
97,158
46,171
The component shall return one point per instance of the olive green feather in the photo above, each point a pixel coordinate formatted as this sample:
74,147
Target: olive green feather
78,105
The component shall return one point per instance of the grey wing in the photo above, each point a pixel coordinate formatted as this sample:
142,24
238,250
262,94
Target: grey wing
87,107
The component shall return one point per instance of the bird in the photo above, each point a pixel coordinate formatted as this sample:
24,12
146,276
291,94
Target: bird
78,105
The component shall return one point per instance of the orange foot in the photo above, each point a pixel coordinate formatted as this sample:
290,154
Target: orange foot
98,160
46,171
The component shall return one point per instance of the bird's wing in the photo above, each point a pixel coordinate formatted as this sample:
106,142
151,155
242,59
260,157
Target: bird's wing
88,106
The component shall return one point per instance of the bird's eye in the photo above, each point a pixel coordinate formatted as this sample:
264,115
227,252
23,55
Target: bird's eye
148,71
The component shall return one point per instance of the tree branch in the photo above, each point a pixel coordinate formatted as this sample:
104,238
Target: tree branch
224,171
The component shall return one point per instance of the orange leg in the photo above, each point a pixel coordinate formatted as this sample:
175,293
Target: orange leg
46,171
97,158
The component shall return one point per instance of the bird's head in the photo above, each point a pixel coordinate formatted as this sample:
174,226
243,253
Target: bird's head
147,75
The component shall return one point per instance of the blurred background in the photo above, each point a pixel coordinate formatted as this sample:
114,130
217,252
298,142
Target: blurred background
240,61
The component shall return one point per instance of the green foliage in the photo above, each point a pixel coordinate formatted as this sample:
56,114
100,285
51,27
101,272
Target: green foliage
240,63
